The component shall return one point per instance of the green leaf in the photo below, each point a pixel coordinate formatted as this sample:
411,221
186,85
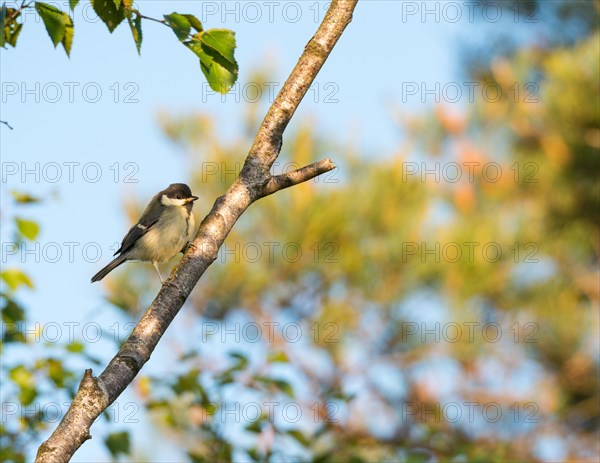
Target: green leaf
188,355
67,41
73,4
53,20
222,41
23,378
58,24
280,384
10,27
12,33
12,312
219,75
111,14
323,457
255,426
194,22
285,387
180,24
196,458
215,49
156,404
3,13
27,228
253,454
24,198
299,437
210,407
136,31
225,378
118,443
57,372
75,347
15,278
278,357
417,456
187,382
242,361
27,395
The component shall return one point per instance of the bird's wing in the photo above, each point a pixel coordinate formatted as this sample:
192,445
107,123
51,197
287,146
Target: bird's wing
146,222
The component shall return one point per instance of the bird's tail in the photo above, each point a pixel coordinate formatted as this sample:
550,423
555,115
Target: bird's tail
109,268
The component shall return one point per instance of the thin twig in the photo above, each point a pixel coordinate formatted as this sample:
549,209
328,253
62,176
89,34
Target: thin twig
17,11
161,21
279,182
7,124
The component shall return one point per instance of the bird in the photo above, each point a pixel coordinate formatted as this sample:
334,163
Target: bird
164,230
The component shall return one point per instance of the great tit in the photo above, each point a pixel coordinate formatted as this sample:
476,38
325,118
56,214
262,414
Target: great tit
164,229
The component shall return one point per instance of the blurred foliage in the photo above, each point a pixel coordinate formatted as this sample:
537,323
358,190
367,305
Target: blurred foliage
548,24
359,258
37,386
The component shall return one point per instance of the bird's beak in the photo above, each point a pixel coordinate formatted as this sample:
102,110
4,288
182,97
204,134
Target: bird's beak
191,198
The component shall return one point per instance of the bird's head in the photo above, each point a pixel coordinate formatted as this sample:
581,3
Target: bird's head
177,194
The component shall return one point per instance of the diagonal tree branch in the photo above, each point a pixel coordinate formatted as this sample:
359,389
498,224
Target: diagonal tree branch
279,182
254,182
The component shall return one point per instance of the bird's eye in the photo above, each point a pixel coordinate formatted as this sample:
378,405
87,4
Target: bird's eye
178,196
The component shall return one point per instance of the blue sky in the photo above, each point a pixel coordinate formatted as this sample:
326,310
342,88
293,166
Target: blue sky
50,101
75,148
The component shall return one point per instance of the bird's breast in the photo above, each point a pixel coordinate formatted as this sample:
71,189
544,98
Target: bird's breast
169,235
